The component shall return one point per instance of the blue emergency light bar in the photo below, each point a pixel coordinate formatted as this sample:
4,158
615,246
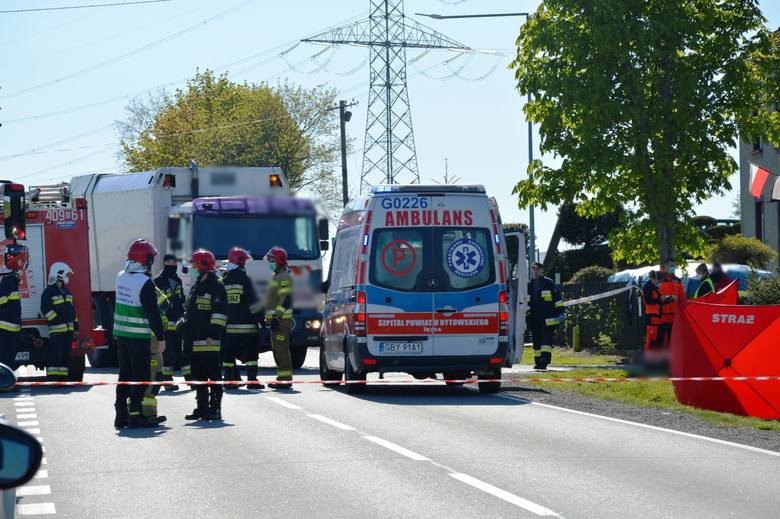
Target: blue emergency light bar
417,188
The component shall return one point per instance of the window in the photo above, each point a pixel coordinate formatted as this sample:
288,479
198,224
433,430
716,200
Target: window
757,146
760,220
344,259
438,259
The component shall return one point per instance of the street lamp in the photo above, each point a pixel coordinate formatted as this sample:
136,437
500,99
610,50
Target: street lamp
531,219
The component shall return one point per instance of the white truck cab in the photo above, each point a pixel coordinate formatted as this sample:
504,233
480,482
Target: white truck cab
419,283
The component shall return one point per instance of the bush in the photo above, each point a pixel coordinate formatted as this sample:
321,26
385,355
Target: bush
592,274
762,291
567,263
742,250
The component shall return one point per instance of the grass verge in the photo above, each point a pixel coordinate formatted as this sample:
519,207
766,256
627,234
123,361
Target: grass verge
658,394
569,357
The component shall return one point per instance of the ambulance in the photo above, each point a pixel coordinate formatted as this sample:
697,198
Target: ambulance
418,284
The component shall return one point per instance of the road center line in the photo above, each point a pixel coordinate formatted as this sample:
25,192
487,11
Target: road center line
281,402
34,490
334,423
651,427
525,504
396,448
37,509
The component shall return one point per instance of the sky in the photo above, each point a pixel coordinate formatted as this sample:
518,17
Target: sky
66,76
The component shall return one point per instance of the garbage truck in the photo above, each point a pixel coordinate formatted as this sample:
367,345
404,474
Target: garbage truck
181,209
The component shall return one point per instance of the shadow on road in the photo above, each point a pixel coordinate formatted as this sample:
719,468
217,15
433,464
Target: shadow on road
429,395
151,432
202,424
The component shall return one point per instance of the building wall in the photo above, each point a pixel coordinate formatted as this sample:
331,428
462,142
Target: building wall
766,213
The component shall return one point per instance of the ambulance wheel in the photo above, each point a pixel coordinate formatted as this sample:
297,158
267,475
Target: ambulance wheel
350,375
298,356
490,388
328,377
76,368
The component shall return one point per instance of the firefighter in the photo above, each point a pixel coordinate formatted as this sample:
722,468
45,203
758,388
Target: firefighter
204,325
244,313
137,319
149,402
57,307
545,312
706,284
15,259
672,291
170,284
278,314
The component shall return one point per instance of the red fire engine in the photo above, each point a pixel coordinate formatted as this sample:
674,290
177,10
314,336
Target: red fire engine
56,230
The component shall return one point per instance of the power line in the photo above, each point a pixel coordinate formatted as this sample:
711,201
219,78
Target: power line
129,54
68,7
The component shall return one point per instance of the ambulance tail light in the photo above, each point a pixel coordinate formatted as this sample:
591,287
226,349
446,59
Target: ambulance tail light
361,317
503,316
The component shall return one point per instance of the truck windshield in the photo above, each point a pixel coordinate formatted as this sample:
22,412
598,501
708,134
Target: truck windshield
296,234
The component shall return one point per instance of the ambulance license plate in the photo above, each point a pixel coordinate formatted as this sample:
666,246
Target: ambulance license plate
401,348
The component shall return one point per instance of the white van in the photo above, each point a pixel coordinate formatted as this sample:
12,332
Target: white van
418,284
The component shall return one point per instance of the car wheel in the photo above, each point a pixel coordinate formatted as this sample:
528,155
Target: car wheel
298,356
491,387
328,377
355,380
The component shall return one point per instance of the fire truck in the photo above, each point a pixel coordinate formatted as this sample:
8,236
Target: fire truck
54,227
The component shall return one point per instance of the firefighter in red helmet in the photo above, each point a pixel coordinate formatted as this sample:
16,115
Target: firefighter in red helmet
15,259
137,321
244,315
278,314
203,326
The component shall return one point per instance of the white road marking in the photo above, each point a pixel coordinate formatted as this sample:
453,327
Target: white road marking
20,398
33,431
651,427
42,474
25,416
334,423
396,448
44,461
525,504
36,509
35,490
27,404
31,423
281,402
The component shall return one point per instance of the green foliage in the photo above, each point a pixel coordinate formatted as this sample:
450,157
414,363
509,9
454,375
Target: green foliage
642,101
764,291
598,322
216,121
592,274
586,231
567,263
743,250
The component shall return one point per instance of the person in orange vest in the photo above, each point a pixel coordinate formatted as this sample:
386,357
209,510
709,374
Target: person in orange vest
672,292
651,295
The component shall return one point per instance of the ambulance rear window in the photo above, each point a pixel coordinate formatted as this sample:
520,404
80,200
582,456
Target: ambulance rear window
397,257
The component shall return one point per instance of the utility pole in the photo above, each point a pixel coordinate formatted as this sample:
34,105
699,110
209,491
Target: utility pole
531,215
344,117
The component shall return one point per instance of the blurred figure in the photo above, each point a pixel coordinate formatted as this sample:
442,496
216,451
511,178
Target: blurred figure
720,278
706,285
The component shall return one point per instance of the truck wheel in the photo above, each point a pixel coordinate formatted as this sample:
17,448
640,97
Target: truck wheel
327,375
76,368
490,388
298,356
350,375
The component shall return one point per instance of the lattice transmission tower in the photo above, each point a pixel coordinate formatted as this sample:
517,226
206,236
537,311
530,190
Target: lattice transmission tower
389,153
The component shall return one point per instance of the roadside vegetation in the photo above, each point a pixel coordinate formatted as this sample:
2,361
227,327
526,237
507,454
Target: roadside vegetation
658,394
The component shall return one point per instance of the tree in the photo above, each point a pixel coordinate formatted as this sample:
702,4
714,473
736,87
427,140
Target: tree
216,121
587,231
641,100
744,251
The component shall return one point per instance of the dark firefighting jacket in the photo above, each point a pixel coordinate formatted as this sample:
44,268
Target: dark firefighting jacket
57,307
206,316
545,305
243,309
10,303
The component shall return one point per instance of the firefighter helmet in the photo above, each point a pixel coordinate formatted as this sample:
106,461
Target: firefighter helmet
142,252
16,256
238,256
204,261
278,255
59,272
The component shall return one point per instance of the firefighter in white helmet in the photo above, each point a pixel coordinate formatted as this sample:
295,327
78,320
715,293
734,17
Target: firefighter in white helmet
57,306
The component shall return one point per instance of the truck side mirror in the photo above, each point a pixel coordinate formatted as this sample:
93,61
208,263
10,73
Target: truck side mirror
174,223
325,286
14,207
324,245
324,230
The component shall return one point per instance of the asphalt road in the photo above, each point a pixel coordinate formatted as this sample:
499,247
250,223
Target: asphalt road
397,451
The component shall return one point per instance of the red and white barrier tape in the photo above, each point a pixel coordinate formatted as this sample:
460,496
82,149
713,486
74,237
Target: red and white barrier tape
405,381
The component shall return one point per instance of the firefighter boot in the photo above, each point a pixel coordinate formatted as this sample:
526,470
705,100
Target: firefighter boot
280,384
120,421
215,406
196,414
140,422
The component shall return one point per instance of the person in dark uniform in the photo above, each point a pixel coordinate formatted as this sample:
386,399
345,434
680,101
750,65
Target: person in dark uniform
170,284
204,325
545,310
57,306
15,259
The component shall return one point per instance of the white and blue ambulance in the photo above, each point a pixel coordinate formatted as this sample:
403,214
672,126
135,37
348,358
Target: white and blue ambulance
418,284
